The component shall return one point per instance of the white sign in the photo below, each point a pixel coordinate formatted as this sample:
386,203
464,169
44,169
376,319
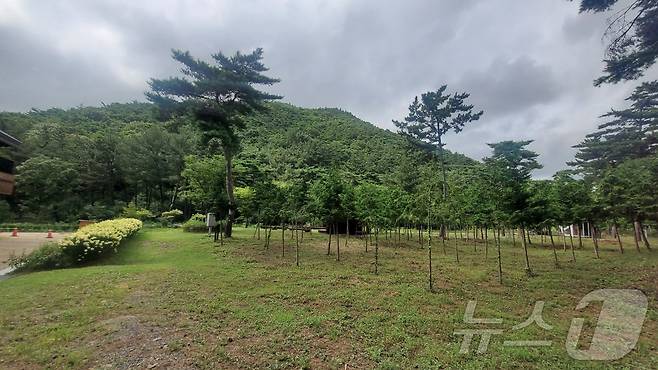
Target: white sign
210,220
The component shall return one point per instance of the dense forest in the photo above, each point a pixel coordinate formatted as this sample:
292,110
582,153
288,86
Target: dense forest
92,163
326,167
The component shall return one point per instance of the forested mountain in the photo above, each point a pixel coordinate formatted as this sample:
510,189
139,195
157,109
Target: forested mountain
92,162
289,139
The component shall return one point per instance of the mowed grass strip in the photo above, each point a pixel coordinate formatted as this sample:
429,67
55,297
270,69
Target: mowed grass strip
178,300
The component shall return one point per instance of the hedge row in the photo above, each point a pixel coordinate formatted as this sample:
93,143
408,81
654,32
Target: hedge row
82,246
32,227
93,240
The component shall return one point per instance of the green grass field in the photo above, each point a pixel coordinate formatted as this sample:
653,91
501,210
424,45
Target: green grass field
171,299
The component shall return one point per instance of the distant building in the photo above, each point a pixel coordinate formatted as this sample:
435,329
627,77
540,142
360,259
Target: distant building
573,230
6,164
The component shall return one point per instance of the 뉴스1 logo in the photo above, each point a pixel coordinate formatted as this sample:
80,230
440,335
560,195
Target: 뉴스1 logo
617,329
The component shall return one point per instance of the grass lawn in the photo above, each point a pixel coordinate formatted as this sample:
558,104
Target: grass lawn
171,299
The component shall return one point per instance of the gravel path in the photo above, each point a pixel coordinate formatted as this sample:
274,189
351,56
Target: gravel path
23,243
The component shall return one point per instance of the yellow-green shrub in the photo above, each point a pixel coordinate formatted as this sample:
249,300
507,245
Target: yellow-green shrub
93,240
82,246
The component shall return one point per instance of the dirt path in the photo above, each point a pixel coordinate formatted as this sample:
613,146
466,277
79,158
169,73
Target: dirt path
23,243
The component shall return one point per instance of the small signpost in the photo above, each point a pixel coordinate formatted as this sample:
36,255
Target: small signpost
211,222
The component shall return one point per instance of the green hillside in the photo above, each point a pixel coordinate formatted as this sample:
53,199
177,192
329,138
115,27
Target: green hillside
289,138
90,162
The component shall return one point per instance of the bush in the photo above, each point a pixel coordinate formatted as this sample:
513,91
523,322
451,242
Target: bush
168,218
173,215
196,223
132,211
34,227
84,245
96,239
50,256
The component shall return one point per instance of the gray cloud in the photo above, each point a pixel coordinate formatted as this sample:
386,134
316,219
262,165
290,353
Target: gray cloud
505,86
529,65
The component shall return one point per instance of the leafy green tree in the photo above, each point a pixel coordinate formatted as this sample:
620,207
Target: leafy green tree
370,206
153,160
48,188
511,166
269,201
204,183
326,202
218,96
543,210
623,190
246,204
568,194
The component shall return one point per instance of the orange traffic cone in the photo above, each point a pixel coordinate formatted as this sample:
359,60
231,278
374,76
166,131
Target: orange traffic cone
50,234
14,232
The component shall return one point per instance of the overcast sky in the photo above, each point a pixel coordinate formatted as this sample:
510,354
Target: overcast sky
528,64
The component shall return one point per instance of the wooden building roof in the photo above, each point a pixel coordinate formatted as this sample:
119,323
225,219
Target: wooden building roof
8,140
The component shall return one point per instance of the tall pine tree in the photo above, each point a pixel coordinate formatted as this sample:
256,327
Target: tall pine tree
217,96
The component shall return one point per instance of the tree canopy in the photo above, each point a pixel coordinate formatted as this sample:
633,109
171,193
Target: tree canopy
633,34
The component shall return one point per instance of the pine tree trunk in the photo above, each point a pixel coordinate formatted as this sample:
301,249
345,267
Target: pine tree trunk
371,236
644,237
283,241
230,192
527,234
573,249
550,233
500,263
329,245
297,248
265,237
456,248
444,183
580,238
337,243
525,250
513,238
429,251
616,232
593,231
636,234
376,251
347,236
486,242
366,237
268,234
443,238
399,236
